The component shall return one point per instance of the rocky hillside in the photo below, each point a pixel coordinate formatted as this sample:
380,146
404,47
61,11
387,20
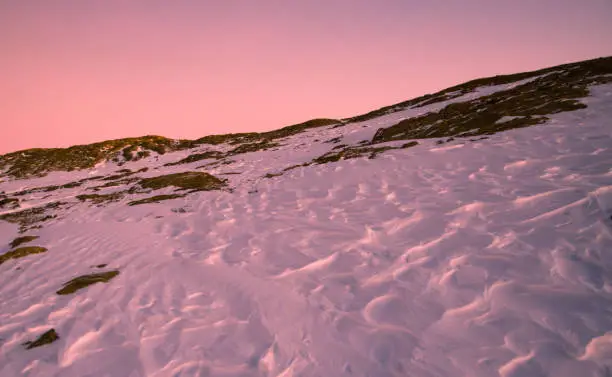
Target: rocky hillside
465,232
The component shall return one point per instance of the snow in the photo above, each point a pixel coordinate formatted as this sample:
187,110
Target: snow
488,258
508,118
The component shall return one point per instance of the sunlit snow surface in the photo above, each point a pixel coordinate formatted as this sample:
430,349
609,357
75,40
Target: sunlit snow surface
485,258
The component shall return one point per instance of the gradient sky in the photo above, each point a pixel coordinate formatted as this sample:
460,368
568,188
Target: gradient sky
80,71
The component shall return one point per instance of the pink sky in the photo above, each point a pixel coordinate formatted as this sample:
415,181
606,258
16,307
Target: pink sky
76,72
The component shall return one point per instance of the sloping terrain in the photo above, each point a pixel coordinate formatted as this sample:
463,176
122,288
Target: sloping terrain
462,233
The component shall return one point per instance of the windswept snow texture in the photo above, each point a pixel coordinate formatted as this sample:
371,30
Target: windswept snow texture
468,258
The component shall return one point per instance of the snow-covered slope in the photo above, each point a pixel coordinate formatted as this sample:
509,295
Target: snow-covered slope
359,247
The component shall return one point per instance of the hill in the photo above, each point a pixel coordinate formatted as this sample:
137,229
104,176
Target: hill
462,233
